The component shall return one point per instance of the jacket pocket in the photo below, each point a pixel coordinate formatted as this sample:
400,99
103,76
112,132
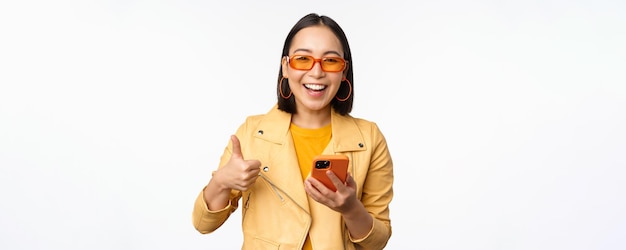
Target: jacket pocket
260,243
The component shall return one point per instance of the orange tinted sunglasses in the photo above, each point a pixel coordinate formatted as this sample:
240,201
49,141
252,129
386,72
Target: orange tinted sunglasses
329,64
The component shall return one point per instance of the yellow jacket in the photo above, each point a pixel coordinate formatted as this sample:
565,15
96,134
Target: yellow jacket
277,213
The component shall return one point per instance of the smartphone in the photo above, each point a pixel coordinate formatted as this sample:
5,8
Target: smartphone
336,163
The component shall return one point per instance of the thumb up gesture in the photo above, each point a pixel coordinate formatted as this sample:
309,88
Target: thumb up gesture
238,173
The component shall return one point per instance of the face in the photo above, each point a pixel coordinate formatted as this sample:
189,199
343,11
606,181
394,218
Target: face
315,88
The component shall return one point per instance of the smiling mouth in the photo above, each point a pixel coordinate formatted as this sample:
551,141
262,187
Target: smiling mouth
315,87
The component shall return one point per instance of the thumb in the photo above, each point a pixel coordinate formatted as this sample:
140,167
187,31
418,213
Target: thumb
236,147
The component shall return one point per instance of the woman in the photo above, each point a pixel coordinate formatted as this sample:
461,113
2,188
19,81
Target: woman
266,164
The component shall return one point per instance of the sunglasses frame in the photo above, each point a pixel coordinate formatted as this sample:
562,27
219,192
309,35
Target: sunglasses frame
318,60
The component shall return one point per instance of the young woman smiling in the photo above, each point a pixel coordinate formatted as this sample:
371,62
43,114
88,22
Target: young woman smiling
265,168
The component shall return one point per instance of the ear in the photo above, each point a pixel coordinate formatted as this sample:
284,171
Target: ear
283,63
345,71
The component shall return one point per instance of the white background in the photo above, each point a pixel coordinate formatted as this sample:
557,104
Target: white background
505,118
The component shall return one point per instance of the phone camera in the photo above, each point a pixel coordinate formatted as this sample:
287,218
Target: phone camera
322,164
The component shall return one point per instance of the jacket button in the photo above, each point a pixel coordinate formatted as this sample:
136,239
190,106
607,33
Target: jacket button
260,132
266,168
360,145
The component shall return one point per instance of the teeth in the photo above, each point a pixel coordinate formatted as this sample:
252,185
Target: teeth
315,86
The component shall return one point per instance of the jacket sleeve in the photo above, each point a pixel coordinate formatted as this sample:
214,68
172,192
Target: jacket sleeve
206,221
378,192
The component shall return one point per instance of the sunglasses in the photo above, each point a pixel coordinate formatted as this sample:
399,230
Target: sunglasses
329,64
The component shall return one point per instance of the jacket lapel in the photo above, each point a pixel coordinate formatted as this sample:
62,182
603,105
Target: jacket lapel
283,170
346,135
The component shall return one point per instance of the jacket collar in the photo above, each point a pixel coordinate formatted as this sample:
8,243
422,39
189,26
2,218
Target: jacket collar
346,136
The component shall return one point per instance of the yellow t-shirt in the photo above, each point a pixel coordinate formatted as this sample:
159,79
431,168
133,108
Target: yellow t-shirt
308,144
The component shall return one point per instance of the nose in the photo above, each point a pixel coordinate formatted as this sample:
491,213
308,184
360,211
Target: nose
317,69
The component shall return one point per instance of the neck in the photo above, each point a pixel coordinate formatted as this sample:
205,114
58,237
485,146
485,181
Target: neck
311,119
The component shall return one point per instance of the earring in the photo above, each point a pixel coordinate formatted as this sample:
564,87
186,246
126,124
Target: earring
280,89
349,93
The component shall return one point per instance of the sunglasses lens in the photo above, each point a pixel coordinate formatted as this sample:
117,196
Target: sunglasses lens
302,62
333,64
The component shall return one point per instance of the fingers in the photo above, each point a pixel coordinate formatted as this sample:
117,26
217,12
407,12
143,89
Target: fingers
242,176
350,181
315,184
334,179
254,165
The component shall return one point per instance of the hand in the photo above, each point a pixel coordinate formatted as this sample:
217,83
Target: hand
342,200
356,218
238,174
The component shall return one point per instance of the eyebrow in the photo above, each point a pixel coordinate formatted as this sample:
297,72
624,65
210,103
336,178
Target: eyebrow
325,53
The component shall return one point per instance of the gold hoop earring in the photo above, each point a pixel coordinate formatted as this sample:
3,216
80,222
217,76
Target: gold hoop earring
349,93
280,89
